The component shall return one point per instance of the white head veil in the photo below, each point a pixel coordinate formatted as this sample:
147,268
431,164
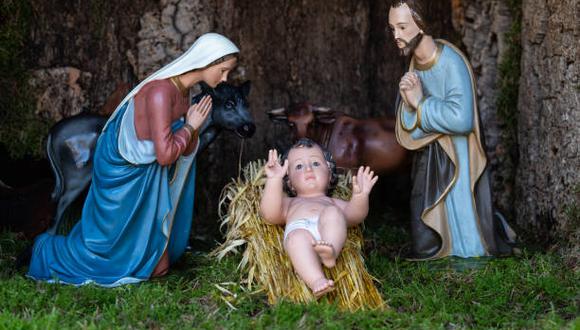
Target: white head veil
206,49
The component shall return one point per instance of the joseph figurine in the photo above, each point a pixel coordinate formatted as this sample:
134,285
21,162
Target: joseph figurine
451,206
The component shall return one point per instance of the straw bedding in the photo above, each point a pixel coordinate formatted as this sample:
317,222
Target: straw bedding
264,262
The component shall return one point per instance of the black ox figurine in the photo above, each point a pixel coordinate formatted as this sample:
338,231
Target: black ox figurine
71,142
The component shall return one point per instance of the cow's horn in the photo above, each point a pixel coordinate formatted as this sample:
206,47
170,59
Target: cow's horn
321,109
279,111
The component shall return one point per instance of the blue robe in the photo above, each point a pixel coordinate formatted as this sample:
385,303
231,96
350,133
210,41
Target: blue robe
450,190
134,211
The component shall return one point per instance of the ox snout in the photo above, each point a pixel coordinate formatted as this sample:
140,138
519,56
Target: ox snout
246,130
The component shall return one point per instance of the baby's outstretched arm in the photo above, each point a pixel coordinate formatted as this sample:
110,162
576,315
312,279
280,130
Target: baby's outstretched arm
357,208
272,204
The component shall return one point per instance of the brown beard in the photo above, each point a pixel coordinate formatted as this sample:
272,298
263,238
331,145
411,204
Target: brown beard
410,45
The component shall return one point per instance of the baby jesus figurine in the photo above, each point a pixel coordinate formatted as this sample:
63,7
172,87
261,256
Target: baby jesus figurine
315,223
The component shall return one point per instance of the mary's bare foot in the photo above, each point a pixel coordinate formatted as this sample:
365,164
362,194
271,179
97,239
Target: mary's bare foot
321,287
162,266
325,251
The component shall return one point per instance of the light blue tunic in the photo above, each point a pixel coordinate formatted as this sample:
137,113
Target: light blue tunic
135,209
448,109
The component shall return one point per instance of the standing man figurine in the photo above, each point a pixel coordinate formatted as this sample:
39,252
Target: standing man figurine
451,211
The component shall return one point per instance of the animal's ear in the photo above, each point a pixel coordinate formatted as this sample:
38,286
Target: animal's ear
246,88
278,115
206,89
324,115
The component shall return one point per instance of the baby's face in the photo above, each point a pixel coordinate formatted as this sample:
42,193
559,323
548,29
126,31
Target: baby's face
308,171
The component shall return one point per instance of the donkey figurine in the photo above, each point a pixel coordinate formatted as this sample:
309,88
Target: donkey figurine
71,142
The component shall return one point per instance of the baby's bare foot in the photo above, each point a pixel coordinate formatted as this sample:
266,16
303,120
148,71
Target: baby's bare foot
321,287
325,251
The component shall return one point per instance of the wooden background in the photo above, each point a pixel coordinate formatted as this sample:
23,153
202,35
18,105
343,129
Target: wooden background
335,53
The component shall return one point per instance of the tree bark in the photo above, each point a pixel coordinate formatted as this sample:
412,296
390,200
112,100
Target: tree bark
483,25
547,180
335,53
92,37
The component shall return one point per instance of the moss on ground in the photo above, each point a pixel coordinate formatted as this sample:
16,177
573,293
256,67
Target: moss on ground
533,291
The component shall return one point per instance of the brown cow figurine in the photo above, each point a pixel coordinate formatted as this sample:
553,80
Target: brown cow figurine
352,142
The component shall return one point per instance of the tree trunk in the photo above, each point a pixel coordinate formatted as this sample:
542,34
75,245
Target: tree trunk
335,53
483,25
547,180
82,46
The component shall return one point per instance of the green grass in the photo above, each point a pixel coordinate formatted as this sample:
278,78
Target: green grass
532,291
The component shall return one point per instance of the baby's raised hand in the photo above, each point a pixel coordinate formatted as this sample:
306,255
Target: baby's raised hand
273,167
363,181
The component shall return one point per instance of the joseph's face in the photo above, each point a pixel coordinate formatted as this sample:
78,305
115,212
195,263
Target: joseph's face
402,25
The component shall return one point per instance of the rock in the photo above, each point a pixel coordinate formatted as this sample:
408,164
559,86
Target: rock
60,92
168,32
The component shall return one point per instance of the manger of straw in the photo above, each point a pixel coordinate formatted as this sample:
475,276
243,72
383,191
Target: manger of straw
264,262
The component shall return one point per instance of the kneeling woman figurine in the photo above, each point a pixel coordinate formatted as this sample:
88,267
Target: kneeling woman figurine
315,223
137,215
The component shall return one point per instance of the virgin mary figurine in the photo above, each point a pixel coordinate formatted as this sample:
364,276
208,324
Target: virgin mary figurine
137,216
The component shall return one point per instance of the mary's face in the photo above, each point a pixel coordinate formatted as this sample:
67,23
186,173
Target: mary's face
218,73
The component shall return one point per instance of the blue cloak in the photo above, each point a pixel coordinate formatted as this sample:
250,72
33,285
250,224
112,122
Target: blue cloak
134,211
451,204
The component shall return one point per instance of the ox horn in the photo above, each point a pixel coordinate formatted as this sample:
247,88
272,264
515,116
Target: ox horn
324,115
278,111
321,109
278,115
